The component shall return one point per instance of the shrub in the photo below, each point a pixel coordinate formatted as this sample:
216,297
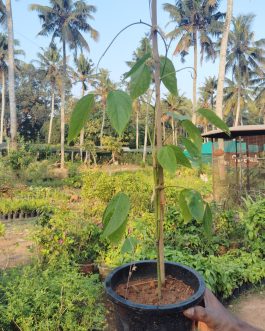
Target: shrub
54,298
254,223
37,171
67,234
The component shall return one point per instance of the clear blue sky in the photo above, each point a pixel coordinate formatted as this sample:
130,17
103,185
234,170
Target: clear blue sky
110,18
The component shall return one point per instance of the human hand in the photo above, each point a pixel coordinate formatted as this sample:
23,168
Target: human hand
216,316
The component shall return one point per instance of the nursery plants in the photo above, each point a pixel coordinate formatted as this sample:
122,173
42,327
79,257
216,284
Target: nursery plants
162,314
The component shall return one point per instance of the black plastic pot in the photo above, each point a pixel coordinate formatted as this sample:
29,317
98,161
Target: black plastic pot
132,316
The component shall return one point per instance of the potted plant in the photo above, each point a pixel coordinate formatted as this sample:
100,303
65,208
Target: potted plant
148,277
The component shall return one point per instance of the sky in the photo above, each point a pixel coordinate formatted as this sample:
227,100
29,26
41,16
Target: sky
114,15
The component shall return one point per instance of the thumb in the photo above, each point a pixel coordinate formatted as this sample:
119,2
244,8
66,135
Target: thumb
197,313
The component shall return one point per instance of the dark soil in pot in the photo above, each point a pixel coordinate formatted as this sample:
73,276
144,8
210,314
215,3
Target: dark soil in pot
132,316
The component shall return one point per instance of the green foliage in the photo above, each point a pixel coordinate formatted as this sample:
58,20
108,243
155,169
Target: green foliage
80,115
37,171
168,75
170,156
115,217
214,119
19,159
193,132
119,110
138,64
53,298
16,205
140,81
254,224
68,234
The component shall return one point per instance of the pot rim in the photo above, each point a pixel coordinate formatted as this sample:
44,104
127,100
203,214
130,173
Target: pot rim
180,306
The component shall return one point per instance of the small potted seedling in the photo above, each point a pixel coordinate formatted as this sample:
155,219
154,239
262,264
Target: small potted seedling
151,295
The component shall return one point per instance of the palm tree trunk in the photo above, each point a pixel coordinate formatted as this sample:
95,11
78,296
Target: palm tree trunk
82,132
63,105
137,126
51,119
3,107
221,75
11,77
238,106
159,197
145,134
103,120
195,65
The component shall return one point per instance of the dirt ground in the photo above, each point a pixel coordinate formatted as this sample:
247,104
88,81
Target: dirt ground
250,307
15,246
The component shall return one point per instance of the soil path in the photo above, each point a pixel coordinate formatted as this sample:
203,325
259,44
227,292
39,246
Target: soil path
15,245
250,307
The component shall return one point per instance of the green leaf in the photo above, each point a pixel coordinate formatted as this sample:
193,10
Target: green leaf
168,75
180,157
184,207
167,158
170,156
129,245
137,65
177,117
214,119
80,115
193,132
191,147
115,217
208,221
195,204
140,81
119,109
191,205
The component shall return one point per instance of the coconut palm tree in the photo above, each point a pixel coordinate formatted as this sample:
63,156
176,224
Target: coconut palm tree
64,20
245,58
236,96
208,92
50,64
102,86
223,51
3,72
11,76
196,22
83,75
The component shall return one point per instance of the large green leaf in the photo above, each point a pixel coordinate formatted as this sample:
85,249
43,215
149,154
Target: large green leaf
129,245
119,109
184,207
140,81
207,221
115,217
214,119
167,158
168,75
80,115
191,205
180,157
195,204
191,147
137,65
193,132
170,156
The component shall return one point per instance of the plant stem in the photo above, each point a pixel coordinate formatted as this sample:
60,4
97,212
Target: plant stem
157,169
